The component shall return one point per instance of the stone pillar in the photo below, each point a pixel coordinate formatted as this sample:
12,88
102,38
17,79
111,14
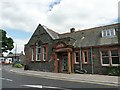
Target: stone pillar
72,62
69,62
55,64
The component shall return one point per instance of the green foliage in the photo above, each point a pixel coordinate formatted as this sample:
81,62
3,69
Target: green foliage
16,62
114,71
18,65
7,42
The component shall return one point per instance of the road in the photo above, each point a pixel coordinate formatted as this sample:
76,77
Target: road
13,80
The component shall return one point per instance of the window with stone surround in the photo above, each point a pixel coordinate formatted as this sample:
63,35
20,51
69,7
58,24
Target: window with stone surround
38,51
33,54
76,58
44,53
114,58
105,58
110,57
85,56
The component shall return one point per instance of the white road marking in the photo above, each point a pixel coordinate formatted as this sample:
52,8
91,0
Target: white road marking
6,79
34,86
39,86
9,80
49,87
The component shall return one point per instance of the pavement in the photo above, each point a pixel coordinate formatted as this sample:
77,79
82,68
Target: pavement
86,78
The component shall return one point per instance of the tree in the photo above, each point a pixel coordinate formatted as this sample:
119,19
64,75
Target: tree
7,42
10,53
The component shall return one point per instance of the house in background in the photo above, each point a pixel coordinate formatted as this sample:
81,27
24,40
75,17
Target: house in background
93,49
14,57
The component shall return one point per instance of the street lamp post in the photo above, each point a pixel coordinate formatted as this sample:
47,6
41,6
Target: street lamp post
81,66
15,50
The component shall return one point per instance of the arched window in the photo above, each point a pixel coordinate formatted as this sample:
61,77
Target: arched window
38,51
44,53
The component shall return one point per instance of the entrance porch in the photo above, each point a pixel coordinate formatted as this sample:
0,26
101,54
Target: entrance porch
63,60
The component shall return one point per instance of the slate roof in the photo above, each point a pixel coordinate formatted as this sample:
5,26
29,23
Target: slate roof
67,40
82,38
52,33
91,37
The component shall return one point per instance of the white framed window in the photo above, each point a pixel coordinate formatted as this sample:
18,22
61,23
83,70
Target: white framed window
104,33
32,54
76,58
85,56
114,58
110,57
105,58
38,52
108,33
44,54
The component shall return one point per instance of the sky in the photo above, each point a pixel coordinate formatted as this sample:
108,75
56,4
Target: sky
20,18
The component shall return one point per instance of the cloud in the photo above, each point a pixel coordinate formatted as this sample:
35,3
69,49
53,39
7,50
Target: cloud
83,14
19,45
27,14
53,3
23,14
59,15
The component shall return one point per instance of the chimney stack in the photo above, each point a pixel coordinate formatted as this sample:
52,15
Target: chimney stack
72,30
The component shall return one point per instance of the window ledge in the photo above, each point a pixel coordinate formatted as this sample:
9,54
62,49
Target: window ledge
38,60
44,61
105,64
115,64
76,62
85,62
109,36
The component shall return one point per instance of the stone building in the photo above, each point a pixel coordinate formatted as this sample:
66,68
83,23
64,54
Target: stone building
93,50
